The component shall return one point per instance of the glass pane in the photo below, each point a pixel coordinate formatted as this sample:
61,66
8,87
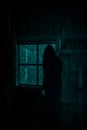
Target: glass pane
28,75
28,54
40,75
41,51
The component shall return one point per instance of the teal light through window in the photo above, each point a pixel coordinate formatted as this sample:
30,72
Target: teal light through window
28,75
40,75
29,69
28,54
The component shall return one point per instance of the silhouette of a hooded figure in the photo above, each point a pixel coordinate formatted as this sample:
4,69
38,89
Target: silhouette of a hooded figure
52,68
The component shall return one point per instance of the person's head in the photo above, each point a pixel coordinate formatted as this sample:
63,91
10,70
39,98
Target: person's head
49,53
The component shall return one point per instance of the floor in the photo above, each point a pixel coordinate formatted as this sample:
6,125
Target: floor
28,114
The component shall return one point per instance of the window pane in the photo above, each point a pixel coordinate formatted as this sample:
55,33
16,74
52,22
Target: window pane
28,75
28,54
40,75
41,51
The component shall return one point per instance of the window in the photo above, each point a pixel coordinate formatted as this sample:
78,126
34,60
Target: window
29,70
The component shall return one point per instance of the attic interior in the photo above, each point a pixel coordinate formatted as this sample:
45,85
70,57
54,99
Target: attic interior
32,26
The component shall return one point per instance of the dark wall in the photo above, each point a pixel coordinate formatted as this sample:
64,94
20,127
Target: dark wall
45,18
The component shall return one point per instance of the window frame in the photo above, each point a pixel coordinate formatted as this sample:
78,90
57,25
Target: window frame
37,43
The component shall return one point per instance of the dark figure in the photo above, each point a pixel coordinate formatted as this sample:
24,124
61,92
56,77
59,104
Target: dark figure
52,67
